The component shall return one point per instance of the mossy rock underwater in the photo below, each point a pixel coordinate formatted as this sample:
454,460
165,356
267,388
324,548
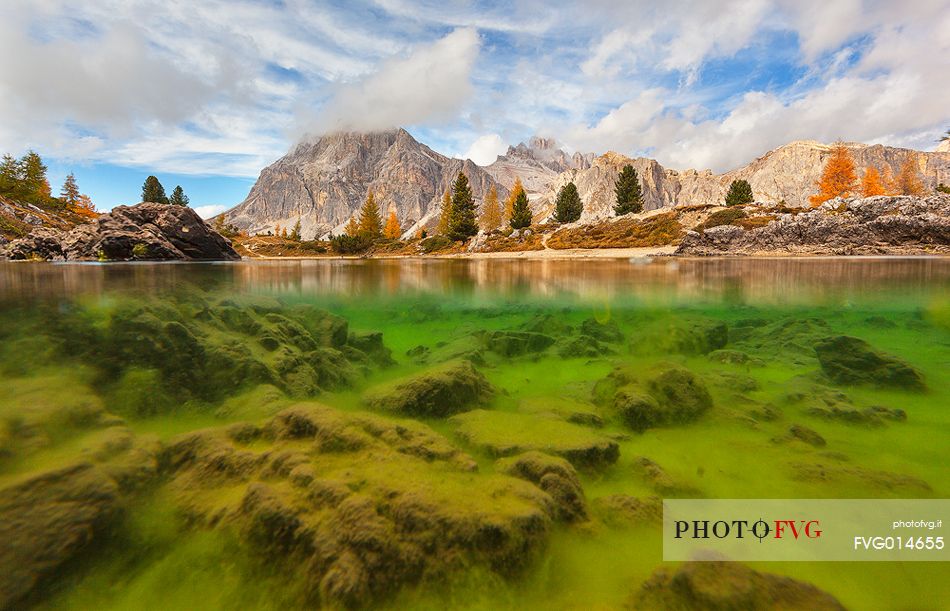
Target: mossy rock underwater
436,392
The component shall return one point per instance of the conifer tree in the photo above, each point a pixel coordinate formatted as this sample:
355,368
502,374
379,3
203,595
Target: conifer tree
35,185
70,192
890,183
85,207
510,200
153,191
871,183
568,206
283,233
392,231
445,215
629,193
178,197
838,179
491,212
520,212
908,181
9,174
295,232
462,222
277,229
740,193
352,228
371,224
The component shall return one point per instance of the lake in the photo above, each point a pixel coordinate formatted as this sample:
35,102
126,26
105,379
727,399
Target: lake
484,434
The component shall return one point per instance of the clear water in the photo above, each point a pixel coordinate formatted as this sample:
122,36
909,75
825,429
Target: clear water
152,557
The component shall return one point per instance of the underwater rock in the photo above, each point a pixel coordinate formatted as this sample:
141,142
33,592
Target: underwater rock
371,344
516,343
608,332
666,394
849,360
48,520
727,586
624,511
582,346
419,354
437,392
548,324
803,434
555,476
357,504
658,478
791,339
565,408
732,357
680,335
506,434
872,416
840,475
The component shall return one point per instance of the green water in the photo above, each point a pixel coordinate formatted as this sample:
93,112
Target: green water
64,356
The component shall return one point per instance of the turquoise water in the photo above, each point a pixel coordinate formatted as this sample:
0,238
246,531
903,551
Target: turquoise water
111,365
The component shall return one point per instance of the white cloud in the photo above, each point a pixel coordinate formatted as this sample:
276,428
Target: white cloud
486,149
430,84
206,212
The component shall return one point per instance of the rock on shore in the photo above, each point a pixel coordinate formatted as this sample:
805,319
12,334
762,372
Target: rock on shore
146,231
868,226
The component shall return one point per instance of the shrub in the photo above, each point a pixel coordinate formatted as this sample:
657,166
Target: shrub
727,216
436,242
349,245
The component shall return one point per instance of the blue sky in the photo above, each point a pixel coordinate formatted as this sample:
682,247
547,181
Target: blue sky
205,93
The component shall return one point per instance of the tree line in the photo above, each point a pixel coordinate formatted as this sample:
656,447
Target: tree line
24,179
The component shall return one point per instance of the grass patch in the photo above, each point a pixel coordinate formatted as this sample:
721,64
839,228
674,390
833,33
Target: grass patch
659,230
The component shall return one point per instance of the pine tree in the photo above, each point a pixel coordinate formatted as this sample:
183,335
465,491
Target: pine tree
629,193
178,197
491,212
352,228
462,223
908,181
153,191
871,184
445,215
838,179
9,174
392,231
371,224
890,184
740,193
568,206
520,212
33,177
295,232
516,189
70,192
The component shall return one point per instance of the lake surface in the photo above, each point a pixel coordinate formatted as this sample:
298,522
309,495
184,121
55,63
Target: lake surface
346,489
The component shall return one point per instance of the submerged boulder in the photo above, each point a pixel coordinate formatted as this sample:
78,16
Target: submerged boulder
555,476
437,392
849,360
682,335
625,511
666,394
727,586
516,343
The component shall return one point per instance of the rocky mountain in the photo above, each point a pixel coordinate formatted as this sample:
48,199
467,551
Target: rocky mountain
788,173
324,182
537,163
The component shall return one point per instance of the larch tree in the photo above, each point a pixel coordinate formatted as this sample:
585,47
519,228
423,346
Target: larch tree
277,229
153,191
352,228
295,232
516,189
70,191
462,221
178,197
871,183
890,183
628,191
445,215
740,193
85,207
491,211
908,182
838,179
568,206
371,224
392,231
520,212
283,233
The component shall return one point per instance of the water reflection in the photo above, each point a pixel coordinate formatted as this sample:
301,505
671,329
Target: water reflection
672,280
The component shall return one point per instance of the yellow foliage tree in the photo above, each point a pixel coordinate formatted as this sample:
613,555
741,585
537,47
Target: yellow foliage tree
283,233
838,178
371,224
491,213
445,214
908,182
392,231
277,230
85,207
352,228
890,184
871,184
510,201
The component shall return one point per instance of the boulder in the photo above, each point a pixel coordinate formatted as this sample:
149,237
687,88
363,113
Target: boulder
666,394
516,343
437,392
625,511
727,586
849,360
681,335
555,476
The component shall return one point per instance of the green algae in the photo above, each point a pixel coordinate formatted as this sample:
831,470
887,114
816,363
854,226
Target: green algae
65,399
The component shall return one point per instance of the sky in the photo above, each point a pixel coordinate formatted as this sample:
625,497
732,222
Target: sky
206,93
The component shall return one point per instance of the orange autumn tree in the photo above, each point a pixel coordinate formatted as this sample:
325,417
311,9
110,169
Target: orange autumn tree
512,196
908,183
890,183
838,178
352,228
392,230
871,184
